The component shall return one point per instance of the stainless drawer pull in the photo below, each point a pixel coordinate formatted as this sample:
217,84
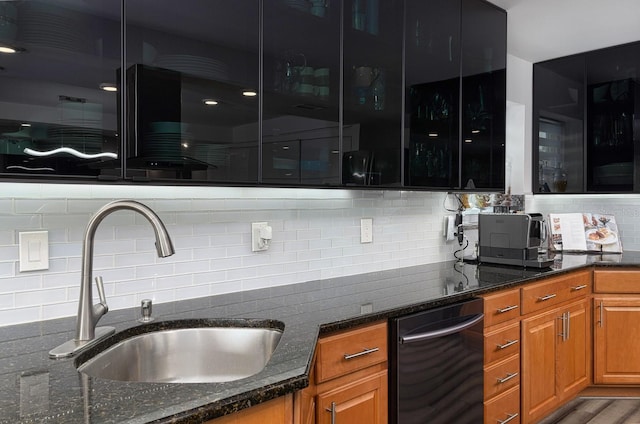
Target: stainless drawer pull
507,309
511,417
364,352
576,288
507,378
547,297
507,344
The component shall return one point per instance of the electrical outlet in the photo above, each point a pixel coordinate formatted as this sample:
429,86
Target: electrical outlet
34,250
366,230
257,243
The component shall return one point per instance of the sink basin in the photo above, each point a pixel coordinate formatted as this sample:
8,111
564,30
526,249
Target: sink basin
184,351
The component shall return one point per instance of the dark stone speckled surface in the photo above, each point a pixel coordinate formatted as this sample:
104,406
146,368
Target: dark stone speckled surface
36,389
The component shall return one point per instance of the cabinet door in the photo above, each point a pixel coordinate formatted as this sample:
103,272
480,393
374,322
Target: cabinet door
362,401
432,93
617,340
56,118
574,363
613,77
540,391
483,66
372,97
558,121
301,67
192,84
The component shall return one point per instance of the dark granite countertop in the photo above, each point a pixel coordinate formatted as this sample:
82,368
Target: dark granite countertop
36,389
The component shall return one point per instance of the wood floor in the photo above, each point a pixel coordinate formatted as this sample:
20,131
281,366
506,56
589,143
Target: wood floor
594,410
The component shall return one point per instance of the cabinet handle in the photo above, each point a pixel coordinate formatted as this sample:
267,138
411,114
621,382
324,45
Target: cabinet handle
563,332
507,378
576,288
507,309
568,325
509,418
333,412
507,344
601,307
547,297
364,352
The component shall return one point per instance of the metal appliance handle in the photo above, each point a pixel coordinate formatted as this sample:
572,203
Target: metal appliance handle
442,332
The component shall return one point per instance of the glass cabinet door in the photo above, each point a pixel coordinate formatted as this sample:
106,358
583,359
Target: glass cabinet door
59,63
301,113
483,68
432,93
613,77
192,72
372,46
558,121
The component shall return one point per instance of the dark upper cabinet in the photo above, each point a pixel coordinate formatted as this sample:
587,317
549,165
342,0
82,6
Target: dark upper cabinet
613,106
192,72
372,94
56,119
484,97
432,97
585,115
558,121
301,93
455,97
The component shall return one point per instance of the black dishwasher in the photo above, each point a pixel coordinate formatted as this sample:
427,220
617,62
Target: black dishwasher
436,359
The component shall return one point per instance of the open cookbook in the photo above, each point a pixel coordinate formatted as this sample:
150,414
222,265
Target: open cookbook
584,232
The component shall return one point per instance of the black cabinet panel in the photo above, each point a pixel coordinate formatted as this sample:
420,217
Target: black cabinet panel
55,117
372,130
190,67
484,34
301,113
613,77
558,121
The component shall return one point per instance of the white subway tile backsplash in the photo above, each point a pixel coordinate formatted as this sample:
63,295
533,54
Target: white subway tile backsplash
316,235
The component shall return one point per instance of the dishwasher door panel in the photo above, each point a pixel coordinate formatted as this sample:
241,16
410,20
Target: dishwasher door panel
437,366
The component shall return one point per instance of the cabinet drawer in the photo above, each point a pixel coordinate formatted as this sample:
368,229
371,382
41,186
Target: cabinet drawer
500,343
501,307
501,376
616,281
504,408
351,350
555,290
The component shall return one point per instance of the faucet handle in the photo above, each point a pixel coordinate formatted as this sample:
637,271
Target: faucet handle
100,286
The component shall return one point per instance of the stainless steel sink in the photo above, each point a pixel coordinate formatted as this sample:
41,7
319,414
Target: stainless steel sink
188,351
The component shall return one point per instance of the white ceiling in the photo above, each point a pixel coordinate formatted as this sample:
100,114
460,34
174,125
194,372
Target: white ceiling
546,29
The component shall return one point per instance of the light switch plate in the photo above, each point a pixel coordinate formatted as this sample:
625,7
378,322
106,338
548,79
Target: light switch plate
34,250
366,230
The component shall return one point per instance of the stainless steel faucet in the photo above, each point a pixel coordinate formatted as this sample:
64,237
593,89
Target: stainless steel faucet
88,315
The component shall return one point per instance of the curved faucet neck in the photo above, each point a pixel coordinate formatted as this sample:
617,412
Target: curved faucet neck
89,314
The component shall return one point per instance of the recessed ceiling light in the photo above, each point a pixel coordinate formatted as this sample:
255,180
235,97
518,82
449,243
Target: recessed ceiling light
249,93
475,131
25,124
468,140
433,134
107,86
7,49
210,102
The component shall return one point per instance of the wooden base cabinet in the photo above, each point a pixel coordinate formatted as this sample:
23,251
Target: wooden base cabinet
617,340
616,326
276,411
349,382
555,358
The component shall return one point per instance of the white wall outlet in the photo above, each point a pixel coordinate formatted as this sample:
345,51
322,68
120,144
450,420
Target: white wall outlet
366,230
261,234
34,250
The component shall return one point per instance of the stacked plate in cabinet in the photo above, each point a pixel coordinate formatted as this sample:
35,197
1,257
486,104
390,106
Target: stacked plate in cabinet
164,141
45,25
197,66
